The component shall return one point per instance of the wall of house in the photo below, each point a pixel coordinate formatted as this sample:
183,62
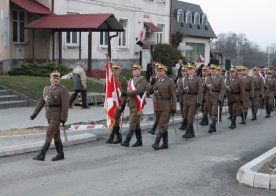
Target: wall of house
135,11
203,41
5,34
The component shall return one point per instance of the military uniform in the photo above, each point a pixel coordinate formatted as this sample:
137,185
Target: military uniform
181,96
204,120
165,96
214,96
269,93
193,99
55,98
135,92
118,112
235,96
249,93
258,93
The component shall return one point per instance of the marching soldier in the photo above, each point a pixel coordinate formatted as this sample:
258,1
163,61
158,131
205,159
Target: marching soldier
152,81
258,92
181,95
214,96
235,95
249,92
193,99
136,100
123,87
220,72
164,95
55,98
269,93
205,75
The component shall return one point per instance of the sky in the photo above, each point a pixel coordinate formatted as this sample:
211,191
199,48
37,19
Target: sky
256,19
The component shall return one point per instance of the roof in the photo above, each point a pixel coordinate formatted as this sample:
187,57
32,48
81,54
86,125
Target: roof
152,27
77,22
191,30
32,6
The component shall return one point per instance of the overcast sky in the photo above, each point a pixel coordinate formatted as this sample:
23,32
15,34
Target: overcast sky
256,19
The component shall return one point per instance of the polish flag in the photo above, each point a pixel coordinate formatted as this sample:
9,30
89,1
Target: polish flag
201,58
112,96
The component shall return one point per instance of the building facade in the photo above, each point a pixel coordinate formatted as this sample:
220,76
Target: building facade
191,23
152,17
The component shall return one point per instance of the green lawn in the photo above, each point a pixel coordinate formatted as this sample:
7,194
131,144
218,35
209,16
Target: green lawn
32,86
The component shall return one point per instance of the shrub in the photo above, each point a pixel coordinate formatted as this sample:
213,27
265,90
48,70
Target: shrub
36,69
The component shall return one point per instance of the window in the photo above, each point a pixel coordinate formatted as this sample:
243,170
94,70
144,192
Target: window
103,39
123,35
180,17
197,53
197,19
188,17
72,38
160,35
204,21
18,22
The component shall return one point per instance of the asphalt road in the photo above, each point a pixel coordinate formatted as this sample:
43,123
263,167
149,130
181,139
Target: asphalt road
206,165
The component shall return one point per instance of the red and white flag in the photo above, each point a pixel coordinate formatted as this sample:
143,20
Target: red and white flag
112,96
201,58
141,101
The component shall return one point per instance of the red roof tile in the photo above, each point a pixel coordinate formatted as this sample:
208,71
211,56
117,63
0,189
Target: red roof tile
32,6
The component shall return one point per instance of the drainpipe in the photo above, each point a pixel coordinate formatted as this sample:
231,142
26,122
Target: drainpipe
53,6
170,33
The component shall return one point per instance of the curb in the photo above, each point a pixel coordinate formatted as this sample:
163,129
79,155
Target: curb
36,145
248,173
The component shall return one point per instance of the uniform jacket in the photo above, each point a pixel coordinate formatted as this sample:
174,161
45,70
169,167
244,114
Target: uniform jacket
258,85
140,85
193,90
270,87
215,87
56,102
164,94
248,84
123,82
235,89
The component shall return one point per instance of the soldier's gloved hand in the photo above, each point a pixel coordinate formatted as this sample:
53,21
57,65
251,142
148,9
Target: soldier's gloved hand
241,102
153,80
173,111
198,105
32,117
63,122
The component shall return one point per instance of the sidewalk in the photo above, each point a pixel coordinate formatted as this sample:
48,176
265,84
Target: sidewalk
19,118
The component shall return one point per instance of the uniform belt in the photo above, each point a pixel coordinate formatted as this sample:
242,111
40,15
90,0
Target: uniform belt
217,91
192,93
257,89
164,98
247,90
54,105
235,93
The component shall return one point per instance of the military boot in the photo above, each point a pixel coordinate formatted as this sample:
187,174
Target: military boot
128,138
155,146
254,114
138,134
190,131
118,135
183,125
205,120
153,129
59,149
243,118
233,122
212,127
42,153
268,111
165,141
111,136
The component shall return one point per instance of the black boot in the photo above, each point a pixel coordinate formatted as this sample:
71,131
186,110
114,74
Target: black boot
42,153
59,149
118,136
165,141
155,146
128,138
254,114
268,111
183,125
189,131
192,131
243,118
233,123
138,134
205,120
212,127
153,129
111,136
